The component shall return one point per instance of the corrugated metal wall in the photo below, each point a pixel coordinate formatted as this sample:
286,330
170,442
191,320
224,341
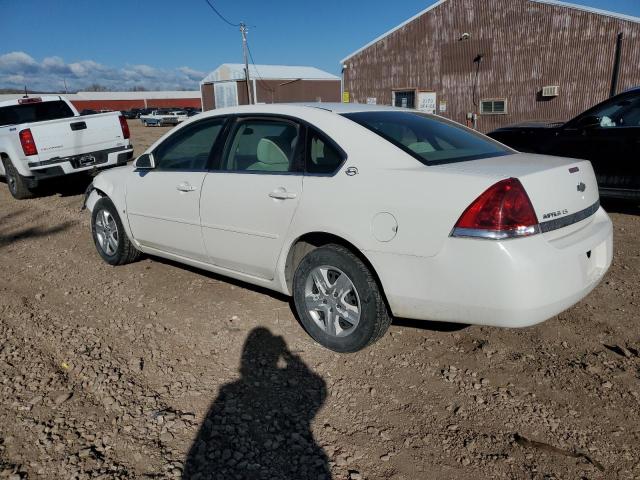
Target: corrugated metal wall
526,45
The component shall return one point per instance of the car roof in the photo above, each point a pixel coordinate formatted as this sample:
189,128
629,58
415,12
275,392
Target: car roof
298,108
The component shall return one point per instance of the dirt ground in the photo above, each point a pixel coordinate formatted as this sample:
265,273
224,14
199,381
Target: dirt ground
157,370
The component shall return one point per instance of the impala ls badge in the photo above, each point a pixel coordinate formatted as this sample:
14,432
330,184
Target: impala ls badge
581,187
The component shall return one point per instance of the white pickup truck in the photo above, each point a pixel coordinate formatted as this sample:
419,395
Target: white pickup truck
45,137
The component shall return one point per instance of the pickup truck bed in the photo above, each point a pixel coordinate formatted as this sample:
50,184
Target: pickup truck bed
43,138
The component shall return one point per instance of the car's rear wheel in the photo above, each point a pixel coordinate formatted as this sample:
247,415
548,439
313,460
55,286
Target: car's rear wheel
17,183
338,299
109,235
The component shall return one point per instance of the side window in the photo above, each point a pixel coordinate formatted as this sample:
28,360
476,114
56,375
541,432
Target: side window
262,146
625,112
322,157
190,147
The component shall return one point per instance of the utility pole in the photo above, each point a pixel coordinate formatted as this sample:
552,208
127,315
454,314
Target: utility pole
243,31
65,85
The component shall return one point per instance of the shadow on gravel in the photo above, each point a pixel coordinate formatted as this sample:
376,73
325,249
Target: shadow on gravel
613,205
32,232
259,427
67,186
429,325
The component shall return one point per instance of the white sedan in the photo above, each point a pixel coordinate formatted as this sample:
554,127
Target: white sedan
362,213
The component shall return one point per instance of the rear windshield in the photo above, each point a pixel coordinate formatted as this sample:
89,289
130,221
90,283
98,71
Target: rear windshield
34,112
429,139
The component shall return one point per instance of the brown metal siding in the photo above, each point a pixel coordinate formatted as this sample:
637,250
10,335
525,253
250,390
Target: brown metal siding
208,97
526,45
281,91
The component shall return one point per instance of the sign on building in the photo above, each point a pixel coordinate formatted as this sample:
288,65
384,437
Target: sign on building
427,102
345,97
372,101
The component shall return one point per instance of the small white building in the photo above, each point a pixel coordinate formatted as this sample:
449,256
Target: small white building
226,86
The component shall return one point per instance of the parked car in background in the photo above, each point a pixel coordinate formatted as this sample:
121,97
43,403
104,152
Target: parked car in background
159,118
130,114
181,115
402,213
45,137
88,111
193,112
608,135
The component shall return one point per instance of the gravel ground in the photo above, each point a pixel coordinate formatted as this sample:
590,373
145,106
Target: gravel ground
156,370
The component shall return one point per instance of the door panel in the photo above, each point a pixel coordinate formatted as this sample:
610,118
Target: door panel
163,209
248,203
164,203
242,225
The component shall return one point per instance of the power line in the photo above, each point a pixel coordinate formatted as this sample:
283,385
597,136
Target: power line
260,79
220,15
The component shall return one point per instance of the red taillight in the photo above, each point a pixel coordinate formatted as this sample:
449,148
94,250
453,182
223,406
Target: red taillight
124,126
502,211
28,144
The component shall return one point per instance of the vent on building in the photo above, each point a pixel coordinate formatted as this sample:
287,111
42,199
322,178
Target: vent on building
493,107
551,91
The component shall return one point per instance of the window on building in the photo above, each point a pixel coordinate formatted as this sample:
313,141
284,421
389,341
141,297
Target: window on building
404,98
493,106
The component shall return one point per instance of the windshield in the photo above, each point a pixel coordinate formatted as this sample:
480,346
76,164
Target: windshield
34,112
429,139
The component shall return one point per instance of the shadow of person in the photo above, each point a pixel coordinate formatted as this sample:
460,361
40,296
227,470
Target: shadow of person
259,427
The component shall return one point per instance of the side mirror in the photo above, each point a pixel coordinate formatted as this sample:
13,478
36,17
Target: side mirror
590,121
145,162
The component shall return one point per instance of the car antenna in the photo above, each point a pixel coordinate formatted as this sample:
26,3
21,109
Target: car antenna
26,95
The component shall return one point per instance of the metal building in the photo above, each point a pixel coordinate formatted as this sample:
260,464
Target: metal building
507,61
226,85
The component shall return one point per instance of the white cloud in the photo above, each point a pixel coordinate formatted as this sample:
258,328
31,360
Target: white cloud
19,68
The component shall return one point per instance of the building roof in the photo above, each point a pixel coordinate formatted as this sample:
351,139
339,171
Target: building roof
235,71
112,95
557,3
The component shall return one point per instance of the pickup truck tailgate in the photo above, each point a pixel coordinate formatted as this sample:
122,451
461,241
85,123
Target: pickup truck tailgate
73,136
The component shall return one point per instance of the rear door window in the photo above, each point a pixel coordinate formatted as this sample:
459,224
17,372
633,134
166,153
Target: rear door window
429,139
34,112
263,145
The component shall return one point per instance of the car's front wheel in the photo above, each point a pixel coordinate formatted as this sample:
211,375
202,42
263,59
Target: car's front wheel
338,299
109,235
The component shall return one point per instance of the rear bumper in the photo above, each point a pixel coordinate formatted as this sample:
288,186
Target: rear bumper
513,283
59,166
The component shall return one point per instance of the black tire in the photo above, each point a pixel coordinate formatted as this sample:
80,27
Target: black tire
17,183
374,317
124,251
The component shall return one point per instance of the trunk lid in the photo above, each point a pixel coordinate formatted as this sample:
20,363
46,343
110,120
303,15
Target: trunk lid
563,191
77,135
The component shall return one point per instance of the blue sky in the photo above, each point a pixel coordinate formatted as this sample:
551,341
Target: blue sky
172,43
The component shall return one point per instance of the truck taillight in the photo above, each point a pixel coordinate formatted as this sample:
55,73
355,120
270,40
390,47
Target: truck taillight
125,127
502,211
28,144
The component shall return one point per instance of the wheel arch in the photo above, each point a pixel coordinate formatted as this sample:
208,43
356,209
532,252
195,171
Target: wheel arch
310,241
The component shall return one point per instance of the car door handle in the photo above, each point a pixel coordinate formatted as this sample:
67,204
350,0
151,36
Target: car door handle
282,195
185,187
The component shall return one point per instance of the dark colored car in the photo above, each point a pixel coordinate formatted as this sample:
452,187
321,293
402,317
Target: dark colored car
88,111
608,135
130,114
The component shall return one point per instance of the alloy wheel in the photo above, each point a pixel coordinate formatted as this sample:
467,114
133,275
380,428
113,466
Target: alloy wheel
332,301
107,232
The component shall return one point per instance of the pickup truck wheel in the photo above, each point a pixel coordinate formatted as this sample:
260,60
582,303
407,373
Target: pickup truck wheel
109,235
17,183
338,300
